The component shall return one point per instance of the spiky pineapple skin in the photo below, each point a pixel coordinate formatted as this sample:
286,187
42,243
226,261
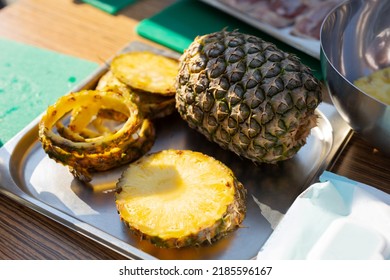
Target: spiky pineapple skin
247,95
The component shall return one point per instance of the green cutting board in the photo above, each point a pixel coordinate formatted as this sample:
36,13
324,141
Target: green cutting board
31,79
176,26
109,6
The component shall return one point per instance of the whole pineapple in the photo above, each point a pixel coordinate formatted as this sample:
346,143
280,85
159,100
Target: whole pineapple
247,95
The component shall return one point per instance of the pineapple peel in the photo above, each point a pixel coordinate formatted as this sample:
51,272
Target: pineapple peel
84,150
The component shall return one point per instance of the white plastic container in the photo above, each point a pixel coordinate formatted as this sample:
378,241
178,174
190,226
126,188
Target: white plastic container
336,219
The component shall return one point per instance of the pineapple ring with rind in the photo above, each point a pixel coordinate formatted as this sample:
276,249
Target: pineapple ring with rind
85,155
81,165
73,100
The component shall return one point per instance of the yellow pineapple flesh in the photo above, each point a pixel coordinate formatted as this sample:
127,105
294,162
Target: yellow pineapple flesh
178,198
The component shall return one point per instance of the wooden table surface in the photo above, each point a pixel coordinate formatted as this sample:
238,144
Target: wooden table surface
78,29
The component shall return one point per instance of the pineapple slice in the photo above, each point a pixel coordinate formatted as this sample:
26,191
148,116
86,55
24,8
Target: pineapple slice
179,198
146,71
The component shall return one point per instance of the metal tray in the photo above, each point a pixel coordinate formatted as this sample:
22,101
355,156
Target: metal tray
28,176
306,45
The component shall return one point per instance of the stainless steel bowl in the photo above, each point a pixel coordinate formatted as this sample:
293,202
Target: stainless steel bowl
355,41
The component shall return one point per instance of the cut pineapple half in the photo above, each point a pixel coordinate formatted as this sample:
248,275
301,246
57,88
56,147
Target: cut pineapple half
179,198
